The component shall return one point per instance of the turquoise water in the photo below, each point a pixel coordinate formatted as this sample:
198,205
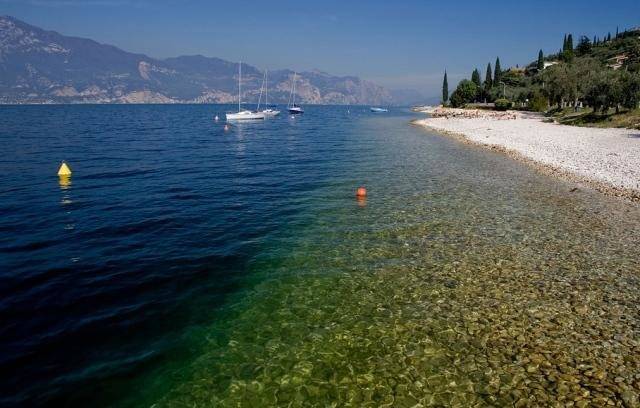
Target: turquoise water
182,265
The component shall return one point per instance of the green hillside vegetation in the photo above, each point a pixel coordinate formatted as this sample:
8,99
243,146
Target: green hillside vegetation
595,82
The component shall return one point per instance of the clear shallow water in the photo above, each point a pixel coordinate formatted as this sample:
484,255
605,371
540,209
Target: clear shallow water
185,265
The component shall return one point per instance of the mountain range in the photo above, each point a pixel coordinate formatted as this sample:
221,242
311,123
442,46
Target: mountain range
39,66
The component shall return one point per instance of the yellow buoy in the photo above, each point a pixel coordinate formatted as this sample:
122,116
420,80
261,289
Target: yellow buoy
64,170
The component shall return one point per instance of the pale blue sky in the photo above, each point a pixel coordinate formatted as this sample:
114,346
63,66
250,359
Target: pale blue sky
399,44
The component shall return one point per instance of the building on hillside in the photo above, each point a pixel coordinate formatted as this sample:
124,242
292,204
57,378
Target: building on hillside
532,69
617,61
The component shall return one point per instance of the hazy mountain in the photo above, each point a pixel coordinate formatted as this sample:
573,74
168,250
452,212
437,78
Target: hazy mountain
409,97
38,66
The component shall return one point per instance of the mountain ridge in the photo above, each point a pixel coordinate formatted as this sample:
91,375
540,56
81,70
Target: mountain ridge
40,66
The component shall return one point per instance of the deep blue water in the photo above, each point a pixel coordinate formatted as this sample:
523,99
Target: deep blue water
104,278
180,259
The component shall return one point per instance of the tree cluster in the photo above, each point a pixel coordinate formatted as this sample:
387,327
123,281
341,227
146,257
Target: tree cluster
576,76
477,90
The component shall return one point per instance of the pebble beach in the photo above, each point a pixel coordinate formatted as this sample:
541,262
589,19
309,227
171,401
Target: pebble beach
606,159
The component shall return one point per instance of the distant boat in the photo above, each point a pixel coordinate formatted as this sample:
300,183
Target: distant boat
291,106
268,112
379,110
243,114
295,109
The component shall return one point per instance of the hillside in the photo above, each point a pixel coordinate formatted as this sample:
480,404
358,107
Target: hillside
594,83
38,66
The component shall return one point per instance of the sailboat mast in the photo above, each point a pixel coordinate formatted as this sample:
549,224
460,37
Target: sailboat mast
266,88
261,91
290,94
239,83
294,89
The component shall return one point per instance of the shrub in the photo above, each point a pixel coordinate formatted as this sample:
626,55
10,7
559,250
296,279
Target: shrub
538,103
495,93
502,104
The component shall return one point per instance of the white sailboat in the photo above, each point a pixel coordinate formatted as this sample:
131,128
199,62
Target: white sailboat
243,114
268,112
291,106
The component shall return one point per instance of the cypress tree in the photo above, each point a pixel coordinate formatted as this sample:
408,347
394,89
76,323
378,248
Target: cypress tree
445,89
540,61
609,37
567,51
584,46
475,78
617,34
488,82
497,76
564,43
594,40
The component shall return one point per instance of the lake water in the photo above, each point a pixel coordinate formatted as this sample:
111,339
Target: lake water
185,265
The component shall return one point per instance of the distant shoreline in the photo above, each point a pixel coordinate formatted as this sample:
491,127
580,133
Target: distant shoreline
181,103
607,160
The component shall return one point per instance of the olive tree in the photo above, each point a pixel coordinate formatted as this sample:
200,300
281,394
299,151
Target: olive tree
465,93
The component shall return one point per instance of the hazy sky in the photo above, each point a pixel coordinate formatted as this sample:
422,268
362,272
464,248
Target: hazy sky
399,44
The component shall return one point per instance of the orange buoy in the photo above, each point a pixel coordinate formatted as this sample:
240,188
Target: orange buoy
361,192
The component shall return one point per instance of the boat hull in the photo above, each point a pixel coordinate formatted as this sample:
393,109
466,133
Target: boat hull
245,115
296,111
379,110
270,112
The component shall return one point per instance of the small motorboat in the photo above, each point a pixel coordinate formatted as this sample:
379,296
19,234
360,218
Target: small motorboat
378,110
